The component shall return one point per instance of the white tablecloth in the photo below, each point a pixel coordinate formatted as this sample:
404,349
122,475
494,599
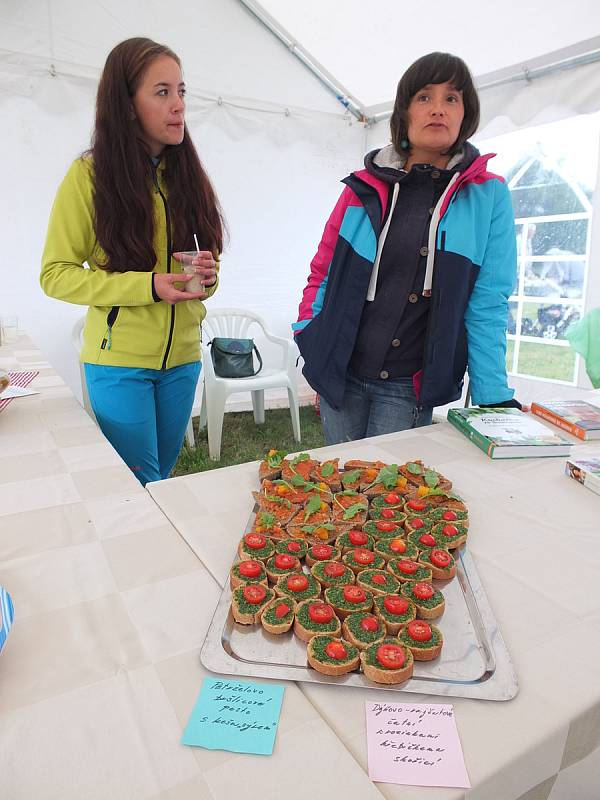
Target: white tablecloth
534,536
101,669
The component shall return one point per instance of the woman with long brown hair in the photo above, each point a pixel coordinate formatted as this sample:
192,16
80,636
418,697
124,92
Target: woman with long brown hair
128,208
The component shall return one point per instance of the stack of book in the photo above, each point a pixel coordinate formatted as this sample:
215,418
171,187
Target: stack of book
577,417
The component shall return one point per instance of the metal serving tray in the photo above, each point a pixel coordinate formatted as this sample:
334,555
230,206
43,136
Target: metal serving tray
474,661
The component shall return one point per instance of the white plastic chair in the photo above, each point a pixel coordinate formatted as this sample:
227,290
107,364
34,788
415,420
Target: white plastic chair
77,341
234,323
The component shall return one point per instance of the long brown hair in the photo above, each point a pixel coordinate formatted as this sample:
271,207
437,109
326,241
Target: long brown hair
123,210
435,68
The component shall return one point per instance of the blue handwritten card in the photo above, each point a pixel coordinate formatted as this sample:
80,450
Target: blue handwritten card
233,715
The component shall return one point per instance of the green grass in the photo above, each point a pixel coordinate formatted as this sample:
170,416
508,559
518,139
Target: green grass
546,361
244,441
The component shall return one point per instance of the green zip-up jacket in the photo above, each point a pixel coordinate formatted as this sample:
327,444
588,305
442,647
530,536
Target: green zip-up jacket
124,325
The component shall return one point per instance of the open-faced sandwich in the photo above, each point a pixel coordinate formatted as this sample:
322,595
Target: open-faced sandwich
332,573
298,586
377,581
452,534
322,552
394,611
314,617
298,492
419,475
360,558
332,656
255,546
270,467
301,465
443,514
315,513
266,523
387,480
407,569
385,528
424,538
424,640
247,571
278,615
282,564
428,600
349,510
248,602
328,472
440,561
293,547
362,630
353,538
387,662
282,509
348,598
397,547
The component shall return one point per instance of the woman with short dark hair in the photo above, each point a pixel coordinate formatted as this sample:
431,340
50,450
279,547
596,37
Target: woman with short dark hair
127,208
411,280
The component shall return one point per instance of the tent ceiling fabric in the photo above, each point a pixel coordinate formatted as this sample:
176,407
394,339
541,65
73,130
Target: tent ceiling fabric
368,51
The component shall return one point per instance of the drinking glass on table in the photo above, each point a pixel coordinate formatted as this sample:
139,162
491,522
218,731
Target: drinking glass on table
9,327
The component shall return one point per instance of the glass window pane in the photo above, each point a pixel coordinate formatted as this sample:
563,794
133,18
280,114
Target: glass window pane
548,320
560,278
564,237
510,352
546,361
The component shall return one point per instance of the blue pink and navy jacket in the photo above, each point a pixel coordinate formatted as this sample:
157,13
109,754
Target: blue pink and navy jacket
470,274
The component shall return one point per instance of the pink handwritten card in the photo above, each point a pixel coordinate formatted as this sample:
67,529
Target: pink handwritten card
415,744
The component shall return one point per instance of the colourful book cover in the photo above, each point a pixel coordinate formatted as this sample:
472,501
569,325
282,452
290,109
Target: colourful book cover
507,433
577,417
585,471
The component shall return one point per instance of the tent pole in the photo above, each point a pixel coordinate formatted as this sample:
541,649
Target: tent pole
327,80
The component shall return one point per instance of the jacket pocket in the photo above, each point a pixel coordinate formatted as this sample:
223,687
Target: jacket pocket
111,318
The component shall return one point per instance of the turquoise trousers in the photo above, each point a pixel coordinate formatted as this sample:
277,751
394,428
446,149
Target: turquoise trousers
143,413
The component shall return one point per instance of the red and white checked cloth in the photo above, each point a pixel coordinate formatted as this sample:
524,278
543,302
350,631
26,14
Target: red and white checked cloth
22,379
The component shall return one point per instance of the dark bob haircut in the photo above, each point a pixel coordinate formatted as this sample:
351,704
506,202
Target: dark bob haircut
430,69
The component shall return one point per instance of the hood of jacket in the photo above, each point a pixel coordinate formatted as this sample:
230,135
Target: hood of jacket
388,165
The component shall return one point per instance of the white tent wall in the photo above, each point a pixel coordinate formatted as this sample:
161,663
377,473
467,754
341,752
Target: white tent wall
276,145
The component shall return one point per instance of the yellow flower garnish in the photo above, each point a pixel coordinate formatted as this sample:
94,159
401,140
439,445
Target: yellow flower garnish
282,490
323,486
272,452
322,533
422,491
401,482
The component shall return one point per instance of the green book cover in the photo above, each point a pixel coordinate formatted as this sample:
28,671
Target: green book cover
507,433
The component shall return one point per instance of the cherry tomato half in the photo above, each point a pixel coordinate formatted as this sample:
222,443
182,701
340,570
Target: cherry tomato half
390,656
354,594
336,650
394,604
362,556
255,541
419,630
321,613
357,538
255,593
250,569
369,623
386,527
334,569
392,499
423,591
297,583
281,610
322,552
440,558
285,561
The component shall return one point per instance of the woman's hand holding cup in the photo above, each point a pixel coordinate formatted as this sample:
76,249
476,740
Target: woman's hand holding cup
201,266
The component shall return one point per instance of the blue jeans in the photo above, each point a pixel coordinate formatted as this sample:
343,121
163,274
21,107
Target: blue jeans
372,407
143,413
